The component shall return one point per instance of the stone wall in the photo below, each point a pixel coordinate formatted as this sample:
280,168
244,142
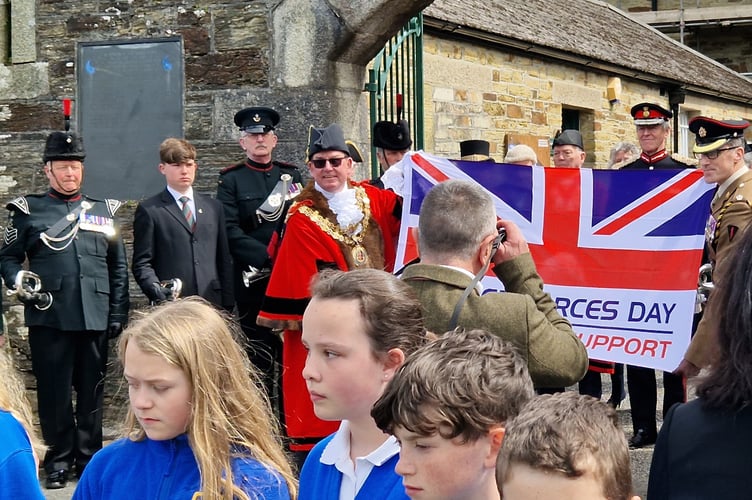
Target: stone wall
473,91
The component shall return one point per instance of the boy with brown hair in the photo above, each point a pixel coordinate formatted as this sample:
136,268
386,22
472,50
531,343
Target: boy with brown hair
565,446
448,406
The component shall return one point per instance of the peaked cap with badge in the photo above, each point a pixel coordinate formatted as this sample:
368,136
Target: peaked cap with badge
569,137
329,138
63,146
730,214
392,136
256,120
711,134
647,113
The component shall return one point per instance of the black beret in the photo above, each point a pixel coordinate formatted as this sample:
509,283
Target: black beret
711,134
329,138
256,120
63,146
569,137
392,136
647,113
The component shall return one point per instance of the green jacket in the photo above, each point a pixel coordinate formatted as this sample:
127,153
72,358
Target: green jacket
524,315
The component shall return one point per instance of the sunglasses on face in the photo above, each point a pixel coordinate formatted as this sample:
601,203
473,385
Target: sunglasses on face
334,162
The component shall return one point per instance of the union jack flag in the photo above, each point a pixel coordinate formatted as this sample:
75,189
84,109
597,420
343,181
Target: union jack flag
619,251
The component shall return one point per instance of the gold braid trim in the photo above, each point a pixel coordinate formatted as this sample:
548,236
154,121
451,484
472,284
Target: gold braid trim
344,235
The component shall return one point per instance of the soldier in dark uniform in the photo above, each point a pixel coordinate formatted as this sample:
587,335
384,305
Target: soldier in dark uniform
76,298
653,129
720,147
253,193
392,141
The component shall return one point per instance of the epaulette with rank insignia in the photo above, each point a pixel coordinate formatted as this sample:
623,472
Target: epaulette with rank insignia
20,204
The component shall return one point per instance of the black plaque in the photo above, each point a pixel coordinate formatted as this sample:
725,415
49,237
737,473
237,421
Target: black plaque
130,98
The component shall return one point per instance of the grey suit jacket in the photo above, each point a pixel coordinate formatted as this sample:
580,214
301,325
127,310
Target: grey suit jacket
164,248
524,315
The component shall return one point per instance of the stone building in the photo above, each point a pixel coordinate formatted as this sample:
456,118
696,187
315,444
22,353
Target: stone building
529,67
499,71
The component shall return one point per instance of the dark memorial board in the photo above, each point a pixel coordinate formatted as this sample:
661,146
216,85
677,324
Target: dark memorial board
130,98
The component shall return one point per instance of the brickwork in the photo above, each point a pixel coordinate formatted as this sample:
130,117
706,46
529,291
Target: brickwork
476,92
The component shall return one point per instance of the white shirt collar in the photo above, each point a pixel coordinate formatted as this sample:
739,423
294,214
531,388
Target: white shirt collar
177,195
478,285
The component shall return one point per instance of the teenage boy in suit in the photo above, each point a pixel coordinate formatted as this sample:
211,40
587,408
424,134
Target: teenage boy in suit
179,233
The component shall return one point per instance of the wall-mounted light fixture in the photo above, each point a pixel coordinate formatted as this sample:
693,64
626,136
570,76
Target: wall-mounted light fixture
613,90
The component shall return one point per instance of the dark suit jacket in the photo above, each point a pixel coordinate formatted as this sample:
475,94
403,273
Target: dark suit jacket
164,248
702,454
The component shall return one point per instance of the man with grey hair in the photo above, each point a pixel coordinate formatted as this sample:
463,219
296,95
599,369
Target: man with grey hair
622,151
454,251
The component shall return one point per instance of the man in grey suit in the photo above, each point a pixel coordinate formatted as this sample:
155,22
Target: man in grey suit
181,234
457,236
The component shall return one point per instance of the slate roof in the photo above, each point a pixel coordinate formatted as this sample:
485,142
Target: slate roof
589,33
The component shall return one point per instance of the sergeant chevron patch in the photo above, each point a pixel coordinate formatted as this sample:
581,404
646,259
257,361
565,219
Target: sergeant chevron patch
10,234
113,205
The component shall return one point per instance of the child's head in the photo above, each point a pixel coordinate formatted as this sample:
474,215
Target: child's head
448,406
358,328
564,446
186,373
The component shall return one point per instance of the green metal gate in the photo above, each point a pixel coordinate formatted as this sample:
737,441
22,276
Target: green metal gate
395,83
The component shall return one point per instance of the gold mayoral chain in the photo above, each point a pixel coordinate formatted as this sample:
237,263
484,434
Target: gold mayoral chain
345,234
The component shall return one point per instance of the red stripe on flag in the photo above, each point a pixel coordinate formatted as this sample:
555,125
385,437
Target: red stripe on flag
562,262
643,208
428,167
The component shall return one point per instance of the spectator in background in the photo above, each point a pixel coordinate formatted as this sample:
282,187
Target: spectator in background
521,154
181,234
621,152
703,447
475,150
568,149
392,141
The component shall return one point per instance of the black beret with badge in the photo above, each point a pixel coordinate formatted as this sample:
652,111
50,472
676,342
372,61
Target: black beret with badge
647,113
63,146
329,138
569,137
711,134
392,136
256,120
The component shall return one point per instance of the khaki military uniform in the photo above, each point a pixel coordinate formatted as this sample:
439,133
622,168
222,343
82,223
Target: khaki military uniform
731,213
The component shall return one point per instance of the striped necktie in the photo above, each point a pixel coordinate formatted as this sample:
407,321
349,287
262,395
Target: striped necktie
187,212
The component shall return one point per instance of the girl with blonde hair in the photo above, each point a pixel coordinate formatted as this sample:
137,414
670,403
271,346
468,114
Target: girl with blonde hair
198,425
20,447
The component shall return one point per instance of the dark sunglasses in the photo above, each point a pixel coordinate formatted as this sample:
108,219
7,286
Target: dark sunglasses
334,162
